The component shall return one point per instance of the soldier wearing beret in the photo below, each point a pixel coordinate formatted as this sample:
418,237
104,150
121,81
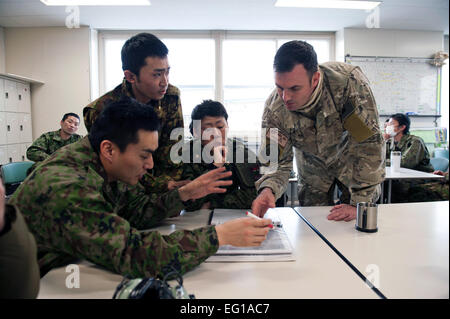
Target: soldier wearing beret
327,115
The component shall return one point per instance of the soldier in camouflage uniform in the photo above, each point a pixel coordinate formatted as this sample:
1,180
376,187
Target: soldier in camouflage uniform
85,201
146,78
328,114
49,142
210,121
415,156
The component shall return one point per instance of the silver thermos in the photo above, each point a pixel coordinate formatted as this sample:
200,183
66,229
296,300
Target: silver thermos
366,217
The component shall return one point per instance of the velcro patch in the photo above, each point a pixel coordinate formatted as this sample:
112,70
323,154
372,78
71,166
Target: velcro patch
357,128
277,138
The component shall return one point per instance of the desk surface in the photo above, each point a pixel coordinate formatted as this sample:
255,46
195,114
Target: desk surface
317,272
410,251
406,173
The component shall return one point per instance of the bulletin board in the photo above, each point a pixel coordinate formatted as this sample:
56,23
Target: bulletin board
402,85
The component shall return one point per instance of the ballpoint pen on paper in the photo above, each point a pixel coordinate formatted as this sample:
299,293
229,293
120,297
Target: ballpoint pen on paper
249,214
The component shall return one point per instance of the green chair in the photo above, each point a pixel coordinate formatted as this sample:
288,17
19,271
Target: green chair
13,174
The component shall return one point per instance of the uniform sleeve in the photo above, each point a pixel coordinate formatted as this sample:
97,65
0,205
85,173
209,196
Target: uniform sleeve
39,150
165,170
367,147
81,223
277,170
91,112
415,156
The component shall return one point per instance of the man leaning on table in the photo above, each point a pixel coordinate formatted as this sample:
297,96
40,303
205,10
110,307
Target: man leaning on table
328,114
86,202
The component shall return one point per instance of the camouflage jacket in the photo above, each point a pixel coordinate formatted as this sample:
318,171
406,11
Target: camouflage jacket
171,116
337,137
241,161
74,212
415,154
47,144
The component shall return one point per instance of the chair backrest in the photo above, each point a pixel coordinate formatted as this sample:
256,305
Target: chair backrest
441,152
439,163
15,172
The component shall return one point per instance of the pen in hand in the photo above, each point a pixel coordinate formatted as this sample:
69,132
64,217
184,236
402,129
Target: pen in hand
256,217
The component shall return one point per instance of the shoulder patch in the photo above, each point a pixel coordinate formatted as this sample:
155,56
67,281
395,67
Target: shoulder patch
357,128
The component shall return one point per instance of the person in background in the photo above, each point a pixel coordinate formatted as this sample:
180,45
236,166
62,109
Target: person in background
48,143
86,202
328,115
209,127
19,270
415,154
146,78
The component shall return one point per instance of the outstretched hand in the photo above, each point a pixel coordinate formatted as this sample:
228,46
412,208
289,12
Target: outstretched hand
208,183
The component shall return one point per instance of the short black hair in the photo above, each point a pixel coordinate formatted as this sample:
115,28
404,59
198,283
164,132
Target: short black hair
402,119
138,48
120,121
296,52
207,108
70,114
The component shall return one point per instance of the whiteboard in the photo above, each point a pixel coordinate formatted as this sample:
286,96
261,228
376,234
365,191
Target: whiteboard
402,85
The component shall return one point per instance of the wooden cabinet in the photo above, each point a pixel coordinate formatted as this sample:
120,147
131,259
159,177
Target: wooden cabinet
15,119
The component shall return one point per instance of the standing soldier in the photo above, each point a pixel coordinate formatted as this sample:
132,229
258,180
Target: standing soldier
146,78
327,113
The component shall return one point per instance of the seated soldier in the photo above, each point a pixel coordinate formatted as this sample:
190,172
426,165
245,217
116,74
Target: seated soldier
209,128
49,142
86,202
415,156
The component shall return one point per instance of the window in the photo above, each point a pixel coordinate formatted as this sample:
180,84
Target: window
234,68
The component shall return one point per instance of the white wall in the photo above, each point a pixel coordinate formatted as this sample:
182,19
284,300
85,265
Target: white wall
391,43
2,51
59,57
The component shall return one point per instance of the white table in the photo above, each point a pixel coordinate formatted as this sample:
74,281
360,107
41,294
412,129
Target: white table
404,174
317,272
410,251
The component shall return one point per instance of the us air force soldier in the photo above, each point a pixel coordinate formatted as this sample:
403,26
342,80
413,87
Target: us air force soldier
146,78
85,202
328,115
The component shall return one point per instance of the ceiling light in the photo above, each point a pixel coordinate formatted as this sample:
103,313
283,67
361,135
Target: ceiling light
328,4
96,2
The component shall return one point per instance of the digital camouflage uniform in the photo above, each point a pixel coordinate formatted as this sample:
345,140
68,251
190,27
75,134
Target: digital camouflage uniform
170,114
47,144
415,156
245,171
336,140
74,213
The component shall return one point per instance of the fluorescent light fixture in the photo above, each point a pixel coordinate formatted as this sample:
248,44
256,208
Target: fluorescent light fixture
328,4
96,2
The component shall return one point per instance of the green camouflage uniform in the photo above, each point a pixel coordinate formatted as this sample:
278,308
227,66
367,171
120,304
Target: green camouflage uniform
336,140
170,113
242,192
415,156
74,213
47,144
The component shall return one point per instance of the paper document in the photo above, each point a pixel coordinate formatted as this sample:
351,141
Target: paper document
275,247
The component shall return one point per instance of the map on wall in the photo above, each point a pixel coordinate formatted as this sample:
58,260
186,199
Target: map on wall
402,85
